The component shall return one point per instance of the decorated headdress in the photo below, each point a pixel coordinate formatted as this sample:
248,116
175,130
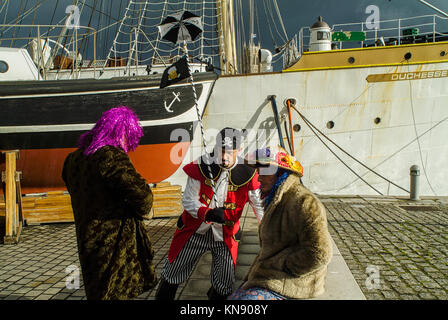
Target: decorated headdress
117,127
276,156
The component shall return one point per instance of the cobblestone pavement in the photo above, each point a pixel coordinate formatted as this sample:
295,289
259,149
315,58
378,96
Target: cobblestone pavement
393,251
36,268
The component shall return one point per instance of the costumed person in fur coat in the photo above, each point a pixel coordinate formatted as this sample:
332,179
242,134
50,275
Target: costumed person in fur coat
109,199
295,243
208,226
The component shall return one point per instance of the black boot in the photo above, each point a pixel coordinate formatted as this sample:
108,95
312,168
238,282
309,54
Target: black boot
212,294
166,290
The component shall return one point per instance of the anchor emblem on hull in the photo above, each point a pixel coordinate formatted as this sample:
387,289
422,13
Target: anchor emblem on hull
176,97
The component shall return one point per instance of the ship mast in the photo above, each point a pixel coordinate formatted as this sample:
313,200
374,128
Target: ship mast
226,30
250,51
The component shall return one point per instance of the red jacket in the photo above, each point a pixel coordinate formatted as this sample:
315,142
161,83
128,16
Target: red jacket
241,180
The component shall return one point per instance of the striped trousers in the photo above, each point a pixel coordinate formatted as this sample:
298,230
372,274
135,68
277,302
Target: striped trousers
222,275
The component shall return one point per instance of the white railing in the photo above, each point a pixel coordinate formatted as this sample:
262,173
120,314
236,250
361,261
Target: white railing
69,42
430,29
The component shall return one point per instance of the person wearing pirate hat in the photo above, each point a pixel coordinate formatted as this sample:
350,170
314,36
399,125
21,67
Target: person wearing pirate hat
210,222
295,245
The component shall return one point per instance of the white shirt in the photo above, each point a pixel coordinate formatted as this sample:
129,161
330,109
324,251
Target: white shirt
191,203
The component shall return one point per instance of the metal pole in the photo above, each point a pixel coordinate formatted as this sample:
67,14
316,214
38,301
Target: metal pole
415,174
434,8
277,121
434,29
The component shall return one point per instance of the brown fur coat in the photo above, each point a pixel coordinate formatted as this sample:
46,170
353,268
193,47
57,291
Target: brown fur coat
295,244
109,198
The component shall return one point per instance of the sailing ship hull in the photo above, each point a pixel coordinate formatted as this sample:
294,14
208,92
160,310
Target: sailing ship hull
44,119
389,115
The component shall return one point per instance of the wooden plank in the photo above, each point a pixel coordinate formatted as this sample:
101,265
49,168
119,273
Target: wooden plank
162,197
166,213
167,190
19,210
55,193
160,204
162,184
10,192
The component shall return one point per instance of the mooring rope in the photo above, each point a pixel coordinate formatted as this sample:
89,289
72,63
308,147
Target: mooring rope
311,126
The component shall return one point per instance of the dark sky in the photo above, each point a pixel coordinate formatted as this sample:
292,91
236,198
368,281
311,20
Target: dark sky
295,13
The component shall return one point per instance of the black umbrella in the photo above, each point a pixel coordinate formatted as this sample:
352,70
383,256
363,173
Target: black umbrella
181,27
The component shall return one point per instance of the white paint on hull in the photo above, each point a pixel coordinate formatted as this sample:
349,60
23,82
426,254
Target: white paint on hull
346,98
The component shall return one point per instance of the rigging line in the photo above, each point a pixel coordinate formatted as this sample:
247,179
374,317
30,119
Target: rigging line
109,23
54,12
21,19
82,45
24,14
303,117
399,150
241,34
269,24
158,37
280,19
258,24
6,11
116,37
4,4
101,12
275,26
416,134
34,19
4,20
311,128
268,9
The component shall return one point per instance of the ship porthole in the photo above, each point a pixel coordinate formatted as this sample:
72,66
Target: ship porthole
4,67
408,56
296,127
351,60
330,124
442,53
377,120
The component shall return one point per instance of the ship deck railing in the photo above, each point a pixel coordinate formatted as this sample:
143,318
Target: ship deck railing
426,28
64,41
67,44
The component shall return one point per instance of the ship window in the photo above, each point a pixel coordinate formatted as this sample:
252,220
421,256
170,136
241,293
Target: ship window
323,35
3,66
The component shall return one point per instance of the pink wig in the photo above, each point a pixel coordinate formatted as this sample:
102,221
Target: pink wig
118,127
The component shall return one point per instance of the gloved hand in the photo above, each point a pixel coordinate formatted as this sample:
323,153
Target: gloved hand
215,215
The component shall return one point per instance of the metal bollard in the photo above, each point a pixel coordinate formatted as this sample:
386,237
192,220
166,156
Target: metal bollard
415,174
